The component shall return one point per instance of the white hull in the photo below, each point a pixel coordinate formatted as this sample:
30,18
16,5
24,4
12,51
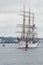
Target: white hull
30,45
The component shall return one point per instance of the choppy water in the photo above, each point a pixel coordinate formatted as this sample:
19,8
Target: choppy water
11,55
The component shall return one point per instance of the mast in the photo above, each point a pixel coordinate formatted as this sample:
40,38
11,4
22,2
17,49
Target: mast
33,27
29,19
28,32
23,28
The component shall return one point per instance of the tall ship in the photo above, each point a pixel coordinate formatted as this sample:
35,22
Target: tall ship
28,36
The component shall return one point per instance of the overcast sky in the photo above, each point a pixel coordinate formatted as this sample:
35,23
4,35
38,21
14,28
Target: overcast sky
9,15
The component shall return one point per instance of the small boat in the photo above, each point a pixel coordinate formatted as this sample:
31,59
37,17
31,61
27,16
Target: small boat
3,45
28,37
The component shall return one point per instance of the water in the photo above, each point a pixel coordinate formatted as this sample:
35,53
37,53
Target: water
11,55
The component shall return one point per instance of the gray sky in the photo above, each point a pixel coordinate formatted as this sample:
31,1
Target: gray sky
9,15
